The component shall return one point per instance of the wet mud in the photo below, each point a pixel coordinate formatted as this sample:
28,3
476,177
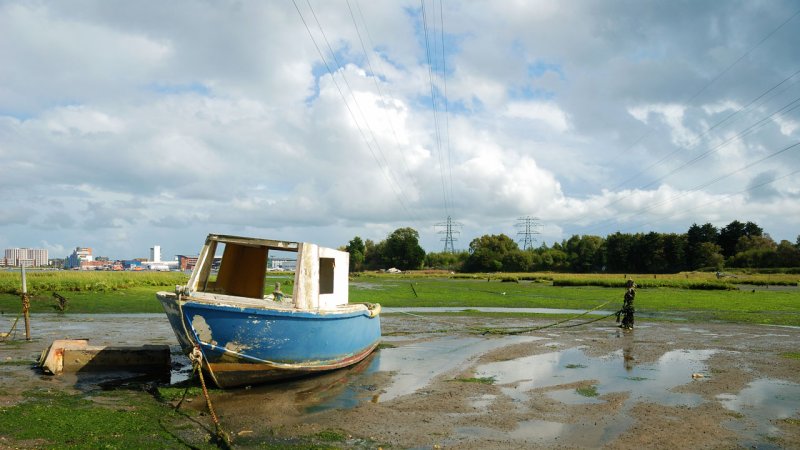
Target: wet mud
435,383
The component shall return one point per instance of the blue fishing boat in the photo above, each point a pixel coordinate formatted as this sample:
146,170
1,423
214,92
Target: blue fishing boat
249,336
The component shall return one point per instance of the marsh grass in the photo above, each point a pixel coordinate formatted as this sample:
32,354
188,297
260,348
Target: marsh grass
587,391
141,299
682,280
61,281
779,306
130,292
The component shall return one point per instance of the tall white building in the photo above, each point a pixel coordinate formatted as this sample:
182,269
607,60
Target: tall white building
155,253
25,257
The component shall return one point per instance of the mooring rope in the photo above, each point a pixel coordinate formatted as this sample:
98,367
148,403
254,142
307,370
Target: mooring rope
13,326
448,322
196,357
509,331
528,330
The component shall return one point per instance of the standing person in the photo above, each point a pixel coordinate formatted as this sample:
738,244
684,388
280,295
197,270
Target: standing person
627,307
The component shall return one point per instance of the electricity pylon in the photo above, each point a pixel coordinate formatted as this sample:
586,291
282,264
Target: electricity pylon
527,227
448,229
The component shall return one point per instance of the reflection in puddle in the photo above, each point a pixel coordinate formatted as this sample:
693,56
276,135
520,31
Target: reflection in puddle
416,365
611,373
761,404
531,431
544,433
413,367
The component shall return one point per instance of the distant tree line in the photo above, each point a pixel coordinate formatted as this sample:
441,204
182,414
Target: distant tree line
400,250
702,247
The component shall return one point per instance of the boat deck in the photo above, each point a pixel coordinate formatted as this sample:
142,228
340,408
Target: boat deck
267,303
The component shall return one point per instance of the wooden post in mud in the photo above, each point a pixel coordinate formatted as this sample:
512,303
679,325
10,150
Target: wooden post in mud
26,304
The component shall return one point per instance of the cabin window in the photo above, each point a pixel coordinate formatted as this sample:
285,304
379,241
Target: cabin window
241,271
326,266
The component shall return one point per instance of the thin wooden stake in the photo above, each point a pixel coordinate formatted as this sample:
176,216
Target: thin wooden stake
26,305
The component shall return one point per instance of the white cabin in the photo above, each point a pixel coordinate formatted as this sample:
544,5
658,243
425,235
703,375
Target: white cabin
320,278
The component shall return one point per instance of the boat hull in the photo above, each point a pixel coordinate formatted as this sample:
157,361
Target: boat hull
249,345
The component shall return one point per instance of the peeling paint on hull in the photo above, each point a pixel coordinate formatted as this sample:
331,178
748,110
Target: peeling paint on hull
248,345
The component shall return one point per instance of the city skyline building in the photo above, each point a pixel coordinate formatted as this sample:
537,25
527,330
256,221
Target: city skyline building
79,255
28,257
155,253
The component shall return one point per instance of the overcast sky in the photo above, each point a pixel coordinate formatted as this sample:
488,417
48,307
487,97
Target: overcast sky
125,125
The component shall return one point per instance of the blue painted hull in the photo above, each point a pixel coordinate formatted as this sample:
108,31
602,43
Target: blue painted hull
244,345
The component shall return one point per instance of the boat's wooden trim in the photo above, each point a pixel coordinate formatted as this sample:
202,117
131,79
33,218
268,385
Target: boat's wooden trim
232,374
267,304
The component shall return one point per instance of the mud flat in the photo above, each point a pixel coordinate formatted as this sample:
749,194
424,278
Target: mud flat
436,383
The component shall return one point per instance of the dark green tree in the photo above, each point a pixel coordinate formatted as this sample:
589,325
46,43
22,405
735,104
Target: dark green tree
374,254
357,251
517,261
710,256
675,252
729,236
619,252
649,253
695,237
446,260
486,253
788,255
403,250
585,253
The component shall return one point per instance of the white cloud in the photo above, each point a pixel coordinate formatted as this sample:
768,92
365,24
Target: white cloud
546,112
126,125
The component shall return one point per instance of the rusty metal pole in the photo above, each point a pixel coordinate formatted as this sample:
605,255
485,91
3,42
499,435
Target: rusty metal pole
26,304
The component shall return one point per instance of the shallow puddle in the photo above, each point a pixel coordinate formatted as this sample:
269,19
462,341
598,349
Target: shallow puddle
760,405
616,372
413,367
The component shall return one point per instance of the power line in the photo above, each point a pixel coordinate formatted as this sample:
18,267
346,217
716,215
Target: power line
708,131
386,173
446,109
705,184
739,136
375,81
723,72
789,107
438,139
751,188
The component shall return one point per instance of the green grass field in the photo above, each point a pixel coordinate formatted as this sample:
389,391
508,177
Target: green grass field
778,305
768,299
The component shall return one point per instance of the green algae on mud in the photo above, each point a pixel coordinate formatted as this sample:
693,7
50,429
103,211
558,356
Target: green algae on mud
128,419
120,419
587,391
